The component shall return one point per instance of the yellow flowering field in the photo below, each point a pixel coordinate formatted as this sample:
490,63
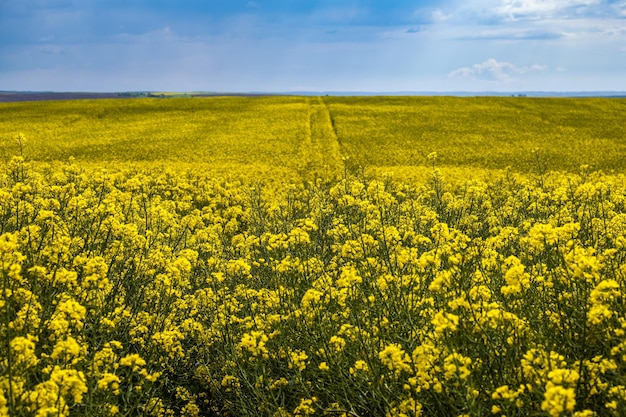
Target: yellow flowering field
262,137
391,133
271,269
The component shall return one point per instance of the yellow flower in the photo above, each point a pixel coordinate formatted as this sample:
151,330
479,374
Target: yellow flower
279,383
106,358
456,366
600,299
23,351
599,313
441,281
504,393
45,400
298,360
254,343
338,343
68,350
359,366
109,381
563,377
349,277
133,360
4,410
515,277
395,358
310,298
154,407
305,408
238,267
557,400
408,407
445,321
169,341
70,382
191,409
542,234
69,313
230,381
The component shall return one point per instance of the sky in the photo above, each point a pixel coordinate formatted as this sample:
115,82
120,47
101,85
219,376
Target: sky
313,45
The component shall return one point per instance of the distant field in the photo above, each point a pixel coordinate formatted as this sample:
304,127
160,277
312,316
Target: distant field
265,136
483,132
14,96
293,135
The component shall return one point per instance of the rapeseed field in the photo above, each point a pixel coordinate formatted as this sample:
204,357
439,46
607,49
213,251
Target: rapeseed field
250,257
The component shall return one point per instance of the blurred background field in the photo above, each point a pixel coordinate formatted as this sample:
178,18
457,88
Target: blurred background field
483,132
287,138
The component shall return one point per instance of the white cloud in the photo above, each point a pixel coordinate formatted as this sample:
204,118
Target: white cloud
439,16
495,70
539,9
535,20
163,36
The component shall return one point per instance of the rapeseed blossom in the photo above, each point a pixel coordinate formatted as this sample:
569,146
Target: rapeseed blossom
305,408
298,360
22,350
445,321
110,382
133,361
254,342
456,365
558,400
395,358
360,366
68,350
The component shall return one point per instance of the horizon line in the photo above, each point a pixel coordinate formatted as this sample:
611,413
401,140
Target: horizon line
165,93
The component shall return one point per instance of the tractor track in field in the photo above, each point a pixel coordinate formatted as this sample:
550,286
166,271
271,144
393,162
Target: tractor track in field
330,119
322,147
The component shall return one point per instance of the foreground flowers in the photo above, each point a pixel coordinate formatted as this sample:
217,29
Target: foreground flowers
163,293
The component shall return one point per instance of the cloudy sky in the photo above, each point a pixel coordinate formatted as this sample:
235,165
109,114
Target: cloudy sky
313,45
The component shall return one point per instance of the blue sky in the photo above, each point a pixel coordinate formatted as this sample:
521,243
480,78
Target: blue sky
322,45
